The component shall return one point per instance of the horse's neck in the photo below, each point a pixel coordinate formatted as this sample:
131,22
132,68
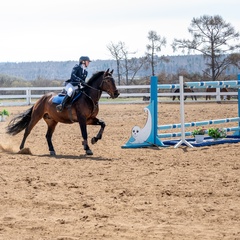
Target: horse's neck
94,93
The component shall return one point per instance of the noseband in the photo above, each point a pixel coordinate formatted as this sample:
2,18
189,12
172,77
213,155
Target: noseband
99,89
104,80
100,86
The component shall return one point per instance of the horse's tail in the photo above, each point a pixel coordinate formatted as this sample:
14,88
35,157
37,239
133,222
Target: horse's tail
20,122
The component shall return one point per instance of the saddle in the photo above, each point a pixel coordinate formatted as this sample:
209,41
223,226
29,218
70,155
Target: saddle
58,99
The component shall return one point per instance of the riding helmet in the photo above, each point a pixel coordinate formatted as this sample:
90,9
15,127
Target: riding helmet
84,58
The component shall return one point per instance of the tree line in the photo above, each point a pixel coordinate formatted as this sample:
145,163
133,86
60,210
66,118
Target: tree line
12,81
212,37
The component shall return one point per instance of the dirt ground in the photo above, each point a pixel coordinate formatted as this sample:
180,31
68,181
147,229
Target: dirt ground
149,193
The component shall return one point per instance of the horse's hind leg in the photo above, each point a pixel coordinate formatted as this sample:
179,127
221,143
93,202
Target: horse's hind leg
51,127
32,123
26,133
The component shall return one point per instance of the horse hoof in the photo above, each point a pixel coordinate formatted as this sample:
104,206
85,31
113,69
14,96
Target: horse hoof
52,153
94,140
25,151
89,152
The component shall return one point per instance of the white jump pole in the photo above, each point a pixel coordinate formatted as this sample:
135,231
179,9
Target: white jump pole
182,114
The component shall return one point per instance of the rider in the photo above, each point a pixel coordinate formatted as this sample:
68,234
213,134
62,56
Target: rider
78,76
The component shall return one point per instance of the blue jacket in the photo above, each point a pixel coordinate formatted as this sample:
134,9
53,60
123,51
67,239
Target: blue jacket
78,75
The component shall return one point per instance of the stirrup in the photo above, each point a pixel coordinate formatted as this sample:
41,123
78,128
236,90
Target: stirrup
59,108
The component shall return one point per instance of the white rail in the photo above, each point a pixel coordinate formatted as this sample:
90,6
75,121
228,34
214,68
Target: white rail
29,95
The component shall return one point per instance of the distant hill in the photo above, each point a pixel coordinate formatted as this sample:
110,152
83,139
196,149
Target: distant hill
61,70
49,70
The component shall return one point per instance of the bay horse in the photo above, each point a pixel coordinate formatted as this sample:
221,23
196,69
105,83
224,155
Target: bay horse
83,109
185,97
214,90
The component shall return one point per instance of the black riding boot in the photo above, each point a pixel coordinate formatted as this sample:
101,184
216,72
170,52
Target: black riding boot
64,101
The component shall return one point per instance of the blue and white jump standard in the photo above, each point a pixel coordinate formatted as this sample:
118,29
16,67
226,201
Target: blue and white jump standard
148,135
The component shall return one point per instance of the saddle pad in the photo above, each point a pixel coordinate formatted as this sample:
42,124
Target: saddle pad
58,99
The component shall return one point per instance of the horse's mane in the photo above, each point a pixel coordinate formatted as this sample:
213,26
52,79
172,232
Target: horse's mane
95,76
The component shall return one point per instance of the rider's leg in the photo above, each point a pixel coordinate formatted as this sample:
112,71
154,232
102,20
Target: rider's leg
69,89
63,103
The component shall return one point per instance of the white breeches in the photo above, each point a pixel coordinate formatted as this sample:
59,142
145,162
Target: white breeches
70,89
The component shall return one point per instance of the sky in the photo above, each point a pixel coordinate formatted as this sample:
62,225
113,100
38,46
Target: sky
64,30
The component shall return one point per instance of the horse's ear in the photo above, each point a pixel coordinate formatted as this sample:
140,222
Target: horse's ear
106,73
111,72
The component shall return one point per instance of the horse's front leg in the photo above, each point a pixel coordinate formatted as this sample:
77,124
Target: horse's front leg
100,133
83,127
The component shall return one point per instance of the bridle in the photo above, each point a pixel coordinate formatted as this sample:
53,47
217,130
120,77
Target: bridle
105,79
97,89
100,86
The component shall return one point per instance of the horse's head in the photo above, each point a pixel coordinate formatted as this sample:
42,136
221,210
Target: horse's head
108,84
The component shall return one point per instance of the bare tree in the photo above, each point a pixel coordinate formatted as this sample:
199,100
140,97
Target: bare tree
234,58
214,38
156,44
135,64
125,65
116,52
126,61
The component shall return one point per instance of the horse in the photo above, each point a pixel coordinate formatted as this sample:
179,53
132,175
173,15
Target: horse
214,90
145,98
83,109
185,97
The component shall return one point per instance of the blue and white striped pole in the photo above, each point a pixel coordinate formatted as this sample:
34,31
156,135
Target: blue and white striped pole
239,104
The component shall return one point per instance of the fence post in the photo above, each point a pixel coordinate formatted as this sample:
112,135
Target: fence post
218,97
28,93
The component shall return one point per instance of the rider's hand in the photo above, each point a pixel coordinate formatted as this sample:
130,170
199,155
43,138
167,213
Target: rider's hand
82,84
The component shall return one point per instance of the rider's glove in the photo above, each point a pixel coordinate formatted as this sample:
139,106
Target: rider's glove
82,84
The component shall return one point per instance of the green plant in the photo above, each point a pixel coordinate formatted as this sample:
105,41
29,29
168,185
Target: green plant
198,131
217,133
4,112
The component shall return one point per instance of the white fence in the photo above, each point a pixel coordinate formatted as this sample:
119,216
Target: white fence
128,94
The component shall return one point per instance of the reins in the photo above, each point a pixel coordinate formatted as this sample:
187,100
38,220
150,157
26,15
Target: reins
96,89
104,79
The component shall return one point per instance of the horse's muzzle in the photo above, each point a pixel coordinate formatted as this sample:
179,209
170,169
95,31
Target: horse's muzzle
116,94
